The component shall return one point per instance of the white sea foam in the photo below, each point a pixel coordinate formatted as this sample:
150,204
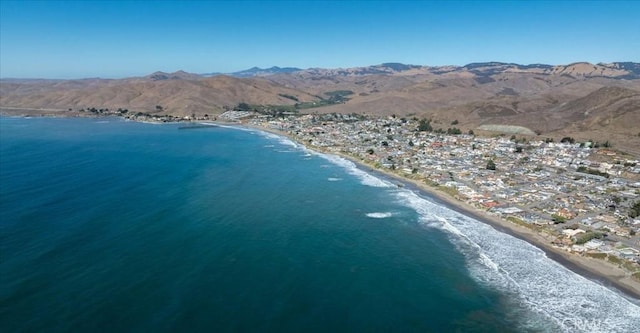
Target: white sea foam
544,294
280,139
333,179
239,128
209,124
352,169
379,215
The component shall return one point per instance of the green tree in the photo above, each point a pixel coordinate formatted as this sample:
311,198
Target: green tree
454,131
243,107
425,125
587,236
558,219
491,165
635,210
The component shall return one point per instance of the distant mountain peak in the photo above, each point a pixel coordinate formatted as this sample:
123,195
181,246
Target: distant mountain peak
398,67
180,74
257,71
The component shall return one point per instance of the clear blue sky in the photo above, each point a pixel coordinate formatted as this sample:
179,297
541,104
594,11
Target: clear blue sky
69,39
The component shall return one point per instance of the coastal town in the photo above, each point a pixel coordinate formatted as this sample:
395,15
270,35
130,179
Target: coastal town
582,198
579,196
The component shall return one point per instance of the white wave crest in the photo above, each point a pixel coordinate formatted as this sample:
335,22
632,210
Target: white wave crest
239,128
379,215
283,140
553,297
333,179
351,168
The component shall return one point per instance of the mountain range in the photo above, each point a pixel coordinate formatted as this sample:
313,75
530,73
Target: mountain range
587,101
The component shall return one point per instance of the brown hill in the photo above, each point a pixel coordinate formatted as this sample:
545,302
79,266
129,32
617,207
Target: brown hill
178,94
607,114
547,99
584,100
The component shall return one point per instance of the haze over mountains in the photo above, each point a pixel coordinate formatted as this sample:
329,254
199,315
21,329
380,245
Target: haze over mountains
599,101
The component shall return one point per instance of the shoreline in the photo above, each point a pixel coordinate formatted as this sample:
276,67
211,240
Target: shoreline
593,269
599,271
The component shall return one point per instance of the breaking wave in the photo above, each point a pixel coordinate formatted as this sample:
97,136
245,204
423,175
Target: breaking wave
379,215
283,140
543,293
351,168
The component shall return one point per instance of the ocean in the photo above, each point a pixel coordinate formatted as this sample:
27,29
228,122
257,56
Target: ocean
117,226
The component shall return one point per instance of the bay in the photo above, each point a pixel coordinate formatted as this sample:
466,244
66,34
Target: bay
109,225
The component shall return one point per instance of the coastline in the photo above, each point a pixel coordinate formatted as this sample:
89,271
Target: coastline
600,271
593,269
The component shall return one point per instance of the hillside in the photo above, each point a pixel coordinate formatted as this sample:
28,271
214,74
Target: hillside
177,93
598,101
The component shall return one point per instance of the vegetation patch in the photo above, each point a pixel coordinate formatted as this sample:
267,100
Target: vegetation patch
520,222
274,110
631,267
615,260
291,97
584,169
558,219
449,190
587,236
338,96
596,255
634,211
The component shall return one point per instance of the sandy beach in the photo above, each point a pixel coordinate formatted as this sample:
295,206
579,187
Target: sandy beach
598,270
593,269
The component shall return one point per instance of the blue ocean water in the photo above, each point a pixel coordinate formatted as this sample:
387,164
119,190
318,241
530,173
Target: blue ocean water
109,225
